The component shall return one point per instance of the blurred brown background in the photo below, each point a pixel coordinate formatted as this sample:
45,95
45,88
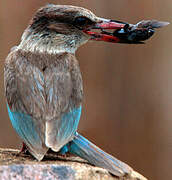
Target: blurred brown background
128,88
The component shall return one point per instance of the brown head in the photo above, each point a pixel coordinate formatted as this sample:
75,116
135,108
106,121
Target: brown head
63,28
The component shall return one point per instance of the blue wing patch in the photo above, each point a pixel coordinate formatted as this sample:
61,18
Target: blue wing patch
69,122
25,127
72,118
61,131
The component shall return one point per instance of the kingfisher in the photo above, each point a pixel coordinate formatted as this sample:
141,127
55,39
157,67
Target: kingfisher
43,82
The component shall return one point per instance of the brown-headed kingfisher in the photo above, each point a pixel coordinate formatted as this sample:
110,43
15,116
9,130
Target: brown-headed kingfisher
43,82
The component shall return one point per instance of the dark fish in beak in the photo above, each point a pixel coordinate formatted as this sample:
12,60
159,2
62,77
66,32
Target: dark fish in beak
124,32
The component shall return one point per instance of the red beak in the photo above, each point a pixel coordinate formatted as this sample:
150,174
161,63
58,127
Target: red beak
110,24
103,35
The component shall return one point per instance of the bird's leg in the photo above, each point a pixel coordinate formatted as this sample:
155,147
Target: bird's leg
64,151
24,149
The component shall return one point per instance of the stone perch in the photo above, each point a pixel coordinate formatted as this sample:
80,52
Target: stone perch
15,166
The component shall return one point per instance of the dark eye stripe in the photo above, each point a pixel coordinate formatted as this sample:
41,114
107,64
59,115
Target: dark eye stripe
82,21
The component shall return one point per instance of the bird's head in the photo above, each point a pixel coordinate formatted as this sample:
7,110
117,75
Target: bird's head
63,28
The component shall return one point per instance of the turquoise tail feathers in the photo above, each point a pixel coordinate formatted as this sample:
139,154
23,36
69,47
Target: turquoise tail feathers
95,156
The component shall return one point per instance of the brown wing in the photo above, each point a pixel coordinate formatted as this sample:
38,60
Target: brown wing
26,102
42,98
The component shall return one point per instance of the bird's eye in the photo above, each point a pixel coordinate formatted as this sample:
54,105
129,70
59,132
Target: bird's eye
81,21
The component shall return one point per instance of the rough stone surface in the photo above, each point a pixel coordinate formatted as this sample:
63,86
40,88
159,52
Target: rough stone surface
15,166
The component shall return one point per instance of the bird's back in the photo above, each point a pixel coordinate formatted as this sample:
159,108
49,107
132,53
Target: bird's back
47,89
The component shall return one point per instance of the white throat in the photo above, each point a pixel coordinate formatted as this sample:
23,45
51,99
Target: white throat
52,43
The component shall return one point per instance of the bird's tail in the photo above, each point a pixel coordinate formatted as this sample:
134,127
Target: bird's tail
94,155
